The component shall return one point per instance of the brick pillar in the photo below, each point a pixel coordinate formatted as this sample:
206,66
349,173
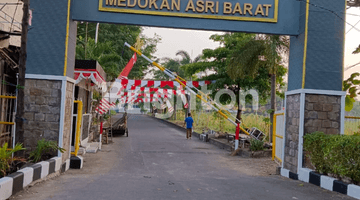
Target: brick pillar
48,111
292,132
42,111
308,111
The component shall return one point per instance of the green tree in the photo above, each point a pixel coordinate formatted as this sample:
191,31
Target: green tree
186,59
110,51
259,51
351,85
224,61
173,65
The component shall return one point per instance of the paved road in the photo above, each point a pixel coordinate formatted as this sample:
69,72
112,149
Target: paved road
157,162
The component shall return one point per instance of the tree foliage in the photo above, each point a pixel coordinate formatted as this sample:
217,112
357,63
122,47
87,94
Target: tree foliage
176,65
351,85
357,50
233,72
110,51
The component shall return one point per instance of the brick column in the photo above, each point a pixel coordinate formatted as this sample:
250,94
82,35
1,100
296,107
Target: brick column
48,111
42,111
292,121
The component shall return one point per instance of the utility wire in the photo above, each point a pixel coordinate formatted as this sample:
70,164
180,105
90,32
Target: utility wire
352,66
331,11
352,27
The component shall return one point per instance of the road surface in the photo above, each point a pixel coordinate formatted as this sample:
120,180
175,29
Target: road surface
157,162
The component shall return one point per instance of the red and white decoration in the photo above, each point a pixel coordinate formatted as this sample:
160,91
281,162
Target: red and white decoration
117,87
128,83
93,75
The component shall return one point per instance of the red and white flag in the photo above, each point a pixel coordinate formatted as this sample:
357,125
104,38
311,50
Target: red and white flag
104,107
126,71
168,104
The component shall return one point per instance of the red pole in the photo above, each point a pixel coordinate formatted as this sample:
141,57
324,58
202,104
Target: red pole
101,128
237,136
237,132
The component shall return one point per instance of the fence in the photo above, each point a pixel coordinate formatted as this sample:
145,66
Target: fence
278,136
351,125
7,109
85,130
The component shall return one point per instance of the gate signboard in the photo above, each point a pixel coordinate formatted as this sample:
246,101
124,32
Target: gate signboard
256,16
258,10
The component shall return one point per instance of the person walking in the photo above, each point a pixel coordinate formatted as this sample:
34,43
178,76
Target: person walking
189,125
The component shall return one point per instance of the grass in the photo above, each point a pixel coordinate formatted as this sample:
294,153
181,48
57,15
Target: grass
213,121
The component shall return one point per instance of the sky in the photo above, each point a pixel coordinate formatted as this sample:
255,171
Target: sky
195,41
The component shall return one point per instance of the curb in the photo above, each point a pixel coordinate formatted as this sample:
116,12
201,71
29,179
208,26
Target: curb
17,181
326,182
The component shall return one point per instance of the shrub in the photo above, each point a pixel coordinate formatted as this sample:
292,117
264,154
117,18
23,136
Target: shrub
6,157
256,145
44,147
336,154
315,144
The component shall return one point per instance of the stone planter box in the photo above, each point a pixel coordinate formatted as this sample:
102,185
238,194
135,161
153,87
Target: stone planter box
15,182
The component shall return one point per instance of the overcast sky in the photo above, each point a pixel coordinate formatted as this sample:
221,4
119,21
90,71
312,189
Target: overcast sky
195,41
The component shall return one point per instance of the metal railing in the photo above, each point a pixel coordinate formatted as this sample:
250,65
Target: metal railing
278,136
7,118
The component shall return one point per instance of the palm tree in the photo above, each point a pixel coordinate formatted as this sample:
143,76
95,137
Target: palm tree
186,57
173,65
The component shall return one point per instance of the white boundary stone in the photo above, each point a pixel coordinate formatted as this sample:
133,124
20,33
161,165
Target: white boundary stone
327,182
304,174
44,169
82,161
284,172
354,191
67,166
6,187
28,175
57,163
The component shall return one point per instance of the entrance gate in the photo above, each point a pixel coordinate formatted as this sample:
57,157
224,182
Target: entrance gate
316,28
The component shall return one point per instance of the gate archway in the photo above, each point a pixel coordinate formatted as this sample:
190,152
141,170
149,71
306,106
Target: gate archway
316,51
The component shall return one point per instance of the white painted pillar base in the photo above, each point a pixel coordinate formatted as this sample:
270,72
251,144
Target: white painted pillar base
236,144
100,142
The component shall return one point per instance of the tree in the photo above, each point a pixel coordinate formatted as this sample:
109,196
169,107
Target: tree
19,125
353,3
186,57
110,51
260,51
351,86
236,72
173,65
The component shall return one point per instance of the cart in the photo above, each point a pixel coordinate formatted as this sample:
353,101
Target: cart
119,127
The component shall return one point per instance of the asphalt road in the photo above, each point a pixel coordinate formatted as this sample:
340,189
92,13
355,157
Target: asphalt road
157,162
